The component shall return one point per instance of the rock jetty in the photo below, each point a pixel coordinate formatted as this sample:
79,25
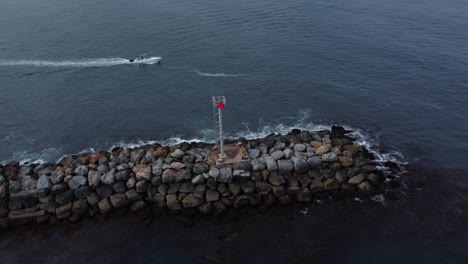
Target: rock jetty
280,169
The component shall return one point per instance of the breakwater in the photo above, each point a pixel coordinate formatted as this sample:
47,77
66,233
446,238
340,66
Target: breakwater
297,167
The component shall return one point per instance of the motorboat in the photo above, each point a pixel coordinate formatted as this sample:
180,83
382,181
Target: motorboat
142,59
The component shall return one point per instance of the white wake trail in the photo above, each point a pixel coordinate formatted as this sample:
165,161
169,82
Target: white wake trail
101,62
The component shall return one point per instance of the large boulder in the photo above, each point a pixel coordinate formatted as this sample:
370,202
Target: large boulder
191,201
136,155
330,157
254,153
77,181
169,176
142,172
322,149
277,155
331,184
300,165
285,166
258,164
178,154
119,200
109,177
271,163
200,168
300,147
94,178
225,174
276,178
81,170
44,183
315,162
157,167
357,179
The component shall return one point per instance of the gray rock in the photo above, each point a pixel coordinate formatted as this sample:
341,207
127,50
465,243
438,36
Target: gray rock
214,172
178,166
141,186
94,178
212,196
172,202
285,166
254,153
77,182
136,155
311,150
315,162
92,199
15,186
183,175
45,172
178,154
44,183
277,155
103,168
57,176
366,188
24,171
2,179
199,179
200,168
119,187
288,153
58,188
271,163
299,147
234,188
198,153
331,184
330,157
300,165
303,179
166,166
357,179
132,195
263,148
137,206
64,197
258,164
276,179
368,168
173,188
81,170
28,183
119,200
82,192
187,187
169,176
300,155
225,174
122,175
80,206
122,167
262,187
315,186
108,178
157,167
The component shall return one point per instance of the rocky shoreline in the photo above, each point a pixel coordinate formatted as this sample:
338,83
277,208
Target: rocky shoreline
278,169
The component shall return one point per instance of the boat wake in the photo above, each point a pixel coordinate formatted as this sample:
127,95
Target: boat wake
207,74
101,62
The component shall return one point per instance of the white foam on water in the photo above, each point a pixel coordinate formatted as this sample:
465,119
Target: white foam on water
218,74
100,62
45,155
304,211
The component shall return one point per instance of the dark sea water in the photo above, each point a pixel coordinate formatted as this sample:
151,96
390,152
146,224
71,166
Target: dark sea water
394,71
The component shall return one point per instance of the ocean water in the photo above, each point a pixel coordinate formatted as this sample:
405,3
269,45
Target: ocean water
394,71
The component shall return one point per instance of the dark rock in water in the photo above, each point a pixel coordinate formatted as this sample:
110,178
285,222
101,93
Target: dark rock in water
315,186
82,192
219,208
132,195
64,197
331,184
212,196
77,181
80,206
368,168
393,184
119,200
105,206
191,201
304,195
366,188
357,179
